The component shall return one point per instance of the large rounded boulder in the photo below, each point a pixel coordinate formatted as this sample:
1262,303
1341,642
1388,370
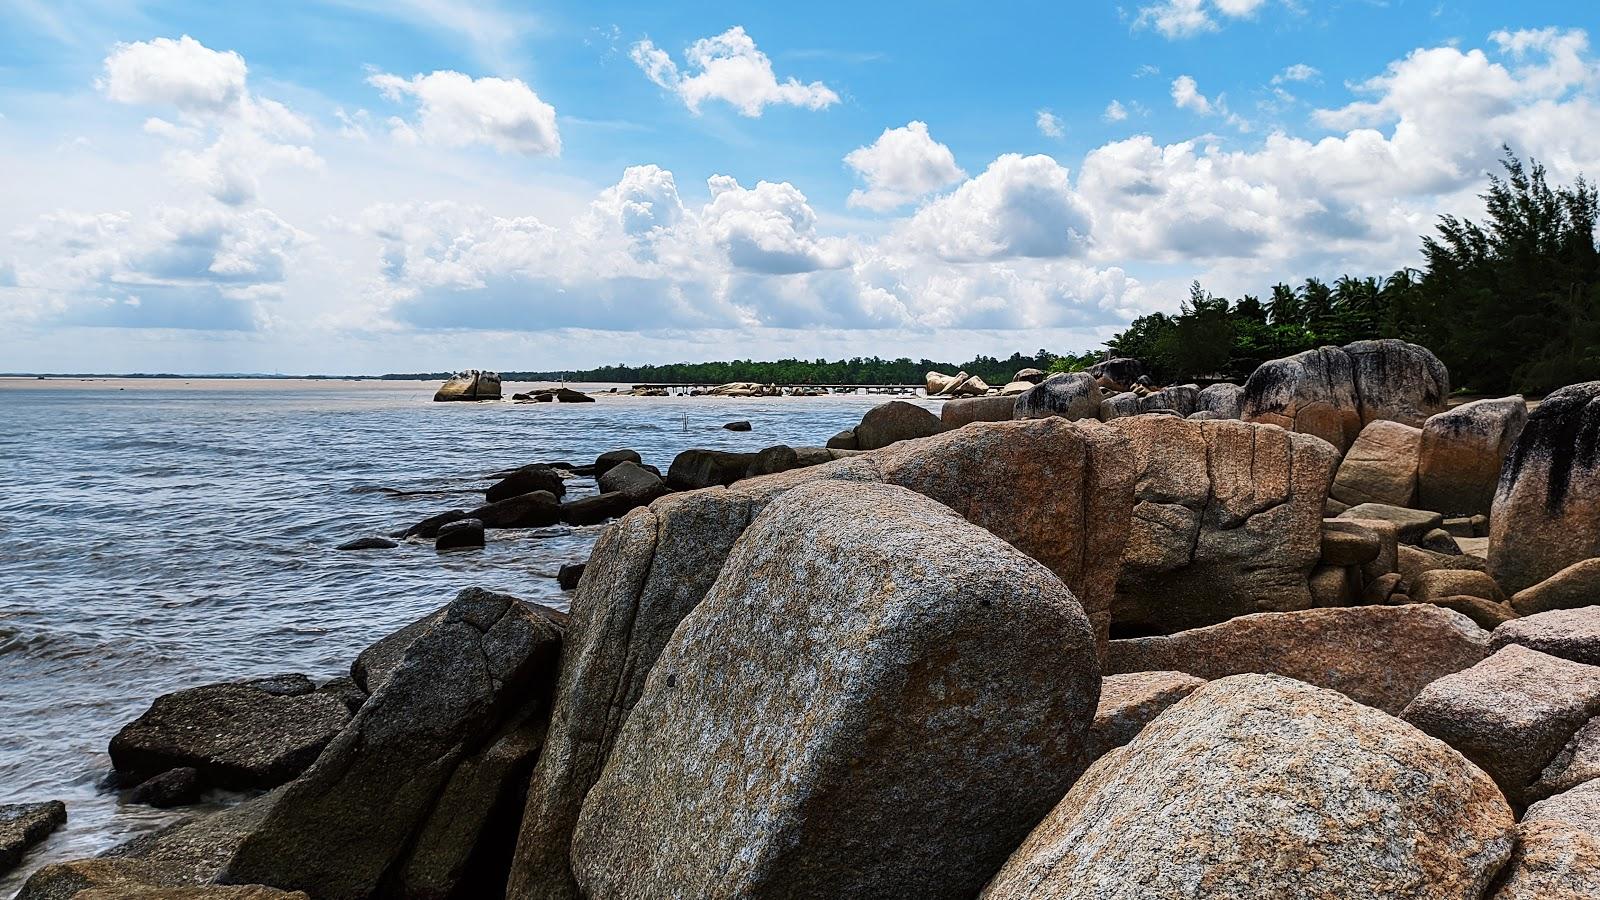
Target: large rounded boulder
852,711
1397,381
893,422
1312,392
1259,786
1546,513
1073,395
1462,452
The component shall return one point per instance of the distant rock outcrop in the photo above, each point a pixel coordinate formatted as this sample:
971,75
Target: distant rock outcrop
472,384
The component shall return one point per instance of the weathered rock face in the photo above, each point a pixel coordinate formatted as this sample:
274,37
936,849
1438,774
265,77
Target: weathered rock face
1431,585
22,825
1380,467
1413,524
655,565
1547,508
1227,520
1324,798
1222,399
1462,452
472,384
533,510
526,480
174,787
1382,656
844,440
1181,399
894,421
694,469
894,718
634,480
1119,405
351,823
251,734
1568,633
1070,396
1118,374
1510,714
1413,561
1128,702
605,461
957,413
1558,849
1397,381
1312,393
1576,586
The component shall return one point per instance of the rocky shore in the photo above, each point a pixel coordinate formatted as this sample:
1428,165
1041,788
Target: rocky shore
1317,635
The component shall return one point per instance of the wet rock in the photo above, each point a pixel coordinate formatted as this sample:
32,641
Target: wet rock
1568,633
844,440
466,534
1311,393
923,710
1227,520
1117,374
1128,702
1324,797
697,468
1558,850
25,825
429,527
472,384
605,461
237,735
1380,467
568,576
1452,582
634,480
174,787
597,509
894,421
1397,381
526,480
352,822
1070,395
656,564
1223,400
1510,714
345,690
532,510
1546,512
1382,656
1578,585
1413,523
368,543
1462,452
959,412
740,425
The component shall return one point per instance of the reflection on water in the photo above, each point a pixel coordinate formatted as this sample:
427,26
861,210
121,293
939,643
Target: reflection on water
157,534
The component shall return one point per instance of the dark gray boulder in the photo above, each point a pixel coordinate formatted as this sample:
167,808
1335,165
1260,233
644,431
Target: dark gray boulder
526,480
697,468
24,825
893,422
1180,398
368,543
597,509
634,480
393,806
1397,381
237,735
1117,374
569,576
174,787
466,534
1546,511
606,460
532,510
844,440
1223,399
1312,392
1071,396
429,527
739,425
1118,405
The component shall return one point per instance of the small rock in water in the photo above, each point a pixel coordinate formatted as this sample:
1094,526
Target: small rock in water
23,825
465,534
610,459
569,575
368,543
174,787
526,480
740,425
430,526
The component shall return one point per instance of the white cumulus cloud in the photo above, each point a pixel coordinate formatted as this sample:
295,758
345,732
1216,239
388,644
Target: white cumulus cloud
1115,112
1186,95
1187,18
183,73
1020,206
1049,124
902,165
457,110
730,68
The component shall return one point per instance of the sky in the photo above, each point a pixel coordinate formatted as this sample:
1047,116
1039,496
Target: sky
370,186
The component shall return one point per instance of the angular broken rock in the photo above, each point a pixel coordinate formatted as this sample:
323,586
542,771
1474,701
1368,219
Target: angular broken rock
1511,714
1380,467
1129,701
1382,656
1462,452
351,822
23,825
1576,586
1568,633
1547,508
1227,520
1429,586
651,568
1413,523
250,734
1558,849
851,711
1258,786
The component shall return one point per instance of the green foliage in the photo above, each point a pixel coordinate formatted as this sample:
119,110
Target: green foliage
868,370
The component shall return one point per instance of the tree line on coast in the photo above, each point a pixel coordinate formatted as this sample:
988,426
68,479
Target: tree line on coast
1509,303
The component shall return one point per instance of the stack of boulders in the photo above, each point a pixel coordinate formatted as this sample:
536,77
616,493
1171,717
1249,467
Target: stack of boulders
1047,657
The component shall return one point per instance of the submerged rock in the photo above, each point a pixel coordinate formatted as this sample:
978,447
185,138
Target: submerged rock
251,734
532,510
895,718
368,543
466,534
24,825
1258,786
696,468
174,787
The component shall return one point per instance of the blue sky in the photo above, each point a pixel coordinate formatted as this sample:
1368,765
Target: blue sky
356,186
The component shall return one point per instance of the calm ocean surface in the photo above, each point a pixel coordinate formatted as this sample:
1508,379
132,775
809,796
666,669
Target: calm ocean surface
156,535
